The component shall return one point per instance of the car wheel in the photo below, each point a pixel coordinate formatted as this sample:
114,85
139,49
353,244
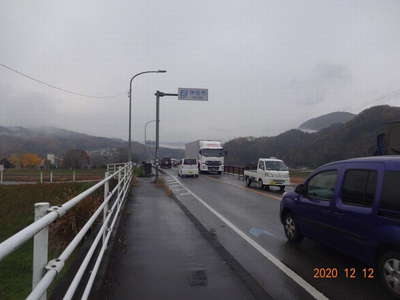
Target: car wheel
260,184
282,188
292,231
248,181
389,268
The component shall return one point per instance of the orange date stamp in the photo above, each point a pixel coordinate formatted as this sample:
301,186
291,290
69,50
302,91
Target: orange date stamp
348,273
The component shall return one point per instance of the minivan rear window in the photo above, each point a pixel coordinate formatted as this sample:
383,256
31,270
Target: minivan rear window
390,197
359,187
189,162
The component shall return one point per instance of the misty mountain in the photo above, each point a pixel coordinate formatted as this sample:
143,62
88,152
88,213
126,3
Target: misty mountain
354,138
45,140
324,121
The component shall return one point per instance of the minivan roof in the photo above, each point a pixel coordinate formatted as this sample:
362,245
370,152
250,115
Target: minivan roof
390,161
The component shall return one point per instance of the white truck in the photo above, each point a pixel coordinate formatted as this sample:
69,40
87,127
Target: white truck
209,154
270,172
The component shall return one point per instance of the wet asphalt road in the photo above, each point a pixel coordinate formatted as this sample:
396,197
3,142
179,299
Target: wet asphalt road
256,213
160,254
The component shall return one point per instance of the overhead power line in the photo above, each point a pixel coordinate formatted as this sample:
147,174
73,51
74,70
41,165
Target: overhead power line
56,87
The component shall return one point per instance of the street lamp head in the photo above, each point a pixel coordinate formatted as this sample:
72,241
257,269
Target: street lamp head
162,71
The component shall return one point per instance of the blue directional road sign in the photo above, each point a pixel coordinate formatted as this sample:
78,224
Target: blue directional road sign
193,94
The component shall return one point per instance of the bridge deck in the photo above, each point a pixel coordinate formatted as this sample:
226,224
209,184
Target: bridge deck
160,254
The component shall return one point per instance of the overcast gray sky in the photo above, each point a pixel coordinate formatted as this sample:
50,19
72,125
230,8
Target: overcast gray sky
268,65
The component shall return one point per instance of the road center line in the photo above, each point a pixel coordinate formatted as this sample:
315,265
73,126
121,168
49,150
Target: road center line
280,265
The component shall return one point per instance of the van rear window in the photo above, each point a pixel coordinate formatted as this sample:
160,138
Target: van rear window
390,197
189,162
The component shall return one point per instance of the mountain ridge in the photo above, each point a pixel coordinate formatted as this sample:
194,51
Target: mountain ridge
326,120
43,140
354,138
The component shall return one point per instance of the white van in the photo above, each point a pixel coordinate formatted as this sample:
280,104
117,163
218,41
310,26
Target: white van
188,167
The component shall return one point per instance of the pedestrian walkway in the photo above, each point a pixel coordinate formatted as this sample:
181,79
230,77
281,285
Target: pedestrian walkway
160,254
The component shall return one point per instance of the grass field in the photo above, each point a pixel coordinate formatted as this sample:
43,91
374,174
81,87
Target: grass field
16,212
33,175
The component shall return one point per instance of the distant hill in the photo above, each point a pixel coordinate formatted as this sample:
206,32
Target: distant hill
324,121
354,138
45,140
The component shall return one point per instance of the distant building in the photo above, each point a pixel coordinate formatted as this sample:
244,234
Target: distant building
51,158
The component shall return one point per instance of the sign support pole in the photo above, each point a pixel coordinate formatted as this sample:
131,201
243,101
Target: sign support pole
157,131
183,94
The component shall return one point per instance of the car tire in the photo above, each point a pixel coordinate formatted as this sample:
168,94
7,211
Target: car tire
282,188
248,181
291,229
260,184
389,269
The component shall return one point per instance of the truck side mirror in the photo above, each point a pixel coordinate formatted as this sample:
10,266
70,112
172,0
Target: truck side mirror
301,189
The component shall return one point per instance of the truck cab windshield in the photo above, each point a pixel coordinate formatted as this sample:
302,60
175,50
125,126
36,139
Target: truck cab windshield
276,166
212,152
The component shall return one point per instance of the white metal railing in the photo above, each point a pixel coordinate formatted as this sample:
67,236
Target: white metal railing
44,271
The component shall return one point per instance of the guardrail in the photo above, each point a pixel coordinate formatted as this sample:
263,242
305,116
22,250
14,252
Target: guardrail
233,170
239,171
44,271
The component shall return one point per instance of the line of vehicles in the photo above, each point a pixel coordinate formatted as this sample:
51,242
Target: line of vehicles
207,156
201,156
351,205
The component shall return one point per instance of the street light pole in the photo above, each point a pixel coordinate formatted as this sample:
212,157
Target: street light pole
130,109
145,130
145,135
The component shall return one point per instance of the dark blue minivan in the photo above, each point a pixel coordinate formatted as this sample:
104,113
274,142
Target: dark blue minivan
353,206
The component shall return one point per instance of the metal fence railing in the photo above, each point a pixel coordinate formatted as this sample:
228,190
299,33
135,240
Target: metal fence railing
49,176
239,171
236,171
44,271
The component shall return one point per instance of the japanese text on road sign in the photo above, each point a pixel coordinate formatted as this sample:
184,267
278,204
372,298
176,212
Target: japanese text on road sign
193,94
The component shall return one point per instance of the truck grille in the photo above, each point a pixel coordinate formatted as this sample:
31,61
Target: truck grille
213,163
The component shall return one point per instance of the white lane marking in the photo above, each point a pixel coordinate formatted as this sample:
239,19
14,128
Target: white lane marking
178,188
285,269
185,194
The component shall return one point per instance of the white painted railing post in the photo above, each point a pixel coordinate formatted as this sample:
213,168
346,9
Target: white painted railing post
119,180
40,247
51,176
73,176
41,176
105,210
